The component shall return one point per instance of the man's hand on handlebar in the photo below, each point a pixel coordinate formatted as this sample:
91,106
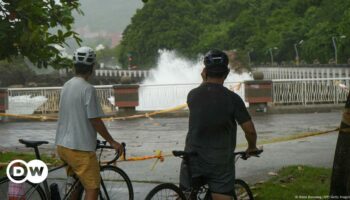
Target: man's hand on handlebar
118,147
253,151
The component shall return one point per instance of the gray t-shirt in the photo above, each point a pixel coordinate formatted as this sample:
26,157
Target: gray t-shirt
78,104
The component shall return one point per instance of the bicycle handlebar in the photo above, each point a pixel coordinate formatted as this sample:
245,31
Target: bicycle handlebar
103,145
244,155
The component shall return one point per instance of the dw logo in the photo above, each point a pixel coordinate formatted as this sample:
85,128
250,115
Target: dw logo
35,171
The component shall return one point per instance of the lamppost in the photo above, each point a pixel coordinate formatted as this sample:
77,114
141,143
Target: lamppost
271,54
129,60
249,57
297,59
335,47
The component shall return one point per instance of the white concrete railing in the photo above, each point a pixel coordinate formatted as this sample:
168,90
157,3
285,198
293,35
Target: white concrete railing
115,73
271,73
309,91
158,97
120,73
53,96
151,97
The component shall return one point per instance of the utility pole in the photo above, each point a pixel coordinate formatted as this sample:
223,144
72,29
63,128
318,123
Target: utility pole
335,47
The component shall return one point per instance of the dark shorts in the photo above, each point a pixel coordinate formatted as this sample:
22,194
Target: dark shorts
220,178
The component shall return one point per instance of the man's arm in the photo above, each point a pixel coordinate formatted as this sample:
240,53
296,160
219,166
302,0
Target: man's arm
100,127
250,135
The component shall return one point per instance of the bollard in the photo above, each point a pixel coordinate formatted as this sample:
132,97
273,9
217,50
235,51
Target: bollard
258,93
258,75
126,97
3,101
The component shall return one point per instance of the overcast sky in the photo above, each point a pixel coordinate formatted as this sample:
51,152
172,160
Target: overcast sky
109,15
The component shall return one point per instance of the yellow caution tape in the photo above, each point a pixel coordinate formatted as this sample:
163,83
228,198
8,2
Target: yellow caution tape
291,137
160,156
146,115
41,117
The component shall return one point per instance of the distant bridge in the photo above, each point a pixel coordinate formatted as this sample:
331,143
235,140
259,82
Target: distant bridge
109,73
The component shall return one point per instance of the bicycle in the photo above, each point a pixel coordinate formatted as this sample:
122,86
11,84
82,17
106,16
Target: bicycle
171,191
110,177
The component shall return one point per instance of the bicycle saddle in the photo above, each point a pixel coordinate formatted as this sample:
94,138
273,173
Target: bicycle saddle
32,143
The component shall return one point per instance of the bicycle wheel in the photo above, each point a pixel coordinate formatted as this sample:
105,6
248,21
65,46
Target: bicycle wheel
242,190
165,191
26,190
116,184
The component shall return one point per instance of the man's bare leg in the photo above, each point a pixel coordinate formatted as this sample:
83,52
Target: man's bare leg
91,194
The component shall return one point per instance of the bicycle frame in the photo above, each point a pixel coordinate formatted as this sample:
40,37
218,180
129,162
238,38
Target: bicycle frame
46,185
72,188
100,145
199,182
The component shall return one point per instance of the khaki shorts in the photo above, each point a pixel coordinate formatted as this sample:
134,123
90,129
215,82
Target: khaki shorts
84,164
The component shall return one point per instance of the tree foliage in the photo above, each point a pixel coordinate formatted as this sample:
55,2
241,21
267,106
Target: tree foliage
34,29
192,27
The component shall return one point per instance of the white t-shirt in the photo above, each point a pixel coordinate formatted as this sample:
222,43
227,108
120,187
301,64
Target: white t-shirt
78,104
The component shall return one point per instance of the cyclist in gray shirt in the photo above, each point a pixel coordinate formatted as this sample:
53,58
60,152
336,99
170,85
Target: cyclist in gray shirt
214,114
79,119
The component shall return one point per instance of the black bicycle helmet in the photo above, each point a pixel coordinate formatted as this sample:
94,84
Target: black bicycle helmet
216,61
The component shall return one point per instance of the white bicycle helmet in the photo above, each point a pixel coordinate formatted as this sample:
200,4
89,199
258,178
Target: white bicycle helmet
84,55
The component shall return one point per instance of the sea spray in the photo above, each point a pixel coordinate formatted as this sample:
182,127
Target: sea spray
173,77
173,69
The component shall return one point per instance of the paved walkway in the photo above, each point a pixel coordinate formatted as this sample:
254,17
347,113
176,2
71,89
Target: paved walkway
144,135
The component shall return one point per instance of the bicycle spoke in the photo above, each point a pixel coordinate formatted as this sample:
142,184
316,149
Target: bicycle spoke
241,193
115,185
21,191
166,194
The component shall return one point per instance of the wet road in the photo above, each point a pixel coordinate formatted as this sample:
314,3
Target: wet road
143,136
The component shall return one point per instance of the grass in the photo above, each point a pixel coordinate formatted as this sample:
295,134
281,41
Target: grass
295,182
6,157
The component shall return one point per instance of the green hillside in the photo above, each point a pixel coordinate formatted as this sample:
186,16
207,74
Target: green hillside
192,27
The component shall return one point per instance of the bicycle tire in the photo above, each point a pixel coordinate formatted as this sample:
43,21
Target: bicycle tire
111,176
174,192
242,190
34,190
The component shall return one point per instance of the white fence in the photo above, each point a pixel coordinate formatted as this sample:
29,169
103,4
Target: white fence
271,73
115,73
23,100
157,97
120,73
310,91
151,97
